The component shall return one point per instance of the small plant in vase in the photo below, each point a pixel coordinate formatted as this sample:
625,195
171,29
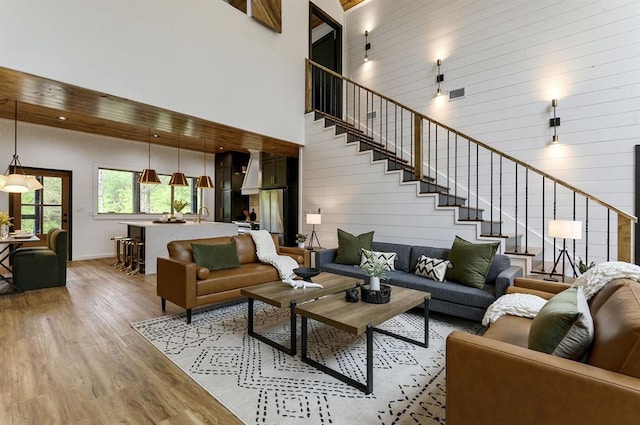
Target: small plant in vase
5,223
300,239
583,267
178,206
375,269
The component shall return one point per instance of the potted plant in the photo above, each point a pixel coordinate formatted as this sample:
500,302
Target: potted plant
375,269
300,239
583,267
5,223
178,206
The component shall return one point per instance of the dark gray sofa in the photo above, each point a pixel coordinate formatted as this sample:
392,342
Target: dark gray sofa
446,297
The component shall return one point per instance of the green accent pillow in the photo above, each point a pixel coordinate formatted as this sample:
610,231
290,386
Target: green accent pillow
216,257
349,246
470,262
563,326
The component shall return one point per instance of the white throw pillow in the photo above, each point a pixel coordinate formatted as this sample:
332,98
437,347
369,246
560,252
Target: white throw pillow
388,258
432,268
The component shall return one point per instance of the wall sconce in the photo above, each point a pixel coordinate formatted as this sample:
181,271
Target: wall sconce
439,77
367,46
555,121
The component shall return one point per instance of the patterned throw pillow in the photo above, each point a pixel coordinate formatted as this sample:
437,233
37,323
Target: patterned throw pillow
432,268
388,258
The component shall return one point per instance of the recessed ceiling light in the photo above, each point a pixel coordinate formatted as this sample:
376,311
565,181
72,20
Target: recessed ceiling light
61,118
221,148
156,136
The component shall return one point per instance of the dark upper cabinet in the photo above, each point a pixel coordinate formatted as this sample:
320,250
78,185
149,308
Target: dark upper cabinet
228,183
278,171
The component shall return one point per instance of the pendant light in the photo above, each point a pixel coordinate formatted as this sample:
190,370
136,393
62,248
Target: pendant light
204,181
14,180
149,175
178,178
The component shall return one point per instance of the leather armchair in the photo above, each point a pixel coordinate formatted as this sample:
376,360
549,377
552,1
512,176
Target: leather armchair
42,268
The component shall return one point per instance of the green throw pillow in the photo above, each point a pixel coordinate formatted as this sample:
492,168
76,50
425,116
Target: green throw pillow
563,326
470,262
349,246
216,257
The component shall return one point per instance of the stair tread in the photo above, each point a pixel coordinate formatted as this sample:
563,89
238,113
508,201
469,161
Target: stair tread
531,251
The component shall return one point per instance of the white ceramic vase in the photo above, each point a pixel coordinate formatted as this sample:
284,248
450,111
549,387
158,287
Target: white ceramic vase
300,244
4,231
178,216
374,283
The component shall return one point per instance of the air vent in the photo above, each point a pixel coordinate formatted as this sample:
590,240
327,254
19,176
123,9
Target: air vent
371,115
457,93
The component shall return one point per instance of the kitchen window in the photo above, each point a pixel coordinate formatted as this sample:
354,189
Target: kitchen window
120,193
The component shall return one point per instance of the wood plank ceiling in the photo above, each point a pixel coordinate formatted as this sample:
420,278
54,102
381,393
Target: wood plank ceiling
43,101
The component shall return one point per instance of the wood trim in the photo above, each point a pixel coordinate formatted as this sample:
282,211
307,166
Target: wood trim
417,147
268,13
624,239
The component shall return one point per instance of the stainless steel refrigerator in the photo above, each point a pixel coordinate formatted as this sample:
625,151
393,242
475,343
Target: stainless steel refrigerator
272,204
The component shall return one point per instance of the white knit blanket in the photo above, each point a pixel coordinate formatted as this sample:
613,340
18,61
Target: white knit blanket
523,305
266,252
602,273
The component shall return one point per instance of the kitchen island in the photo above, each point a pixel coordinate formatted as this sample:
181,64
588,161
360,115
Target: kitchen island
155,236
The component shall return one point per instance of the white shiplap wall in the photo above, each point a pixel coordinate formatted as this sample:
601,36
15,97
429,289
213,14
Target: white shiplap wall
513,57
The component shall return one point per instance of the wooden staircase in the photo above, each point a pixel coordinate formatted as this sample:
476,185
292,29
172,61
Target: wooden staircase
512,244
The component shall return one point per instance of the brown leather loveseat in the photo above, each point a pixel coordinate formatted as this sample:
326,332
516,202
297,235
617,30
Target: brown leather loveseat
495,379
182,282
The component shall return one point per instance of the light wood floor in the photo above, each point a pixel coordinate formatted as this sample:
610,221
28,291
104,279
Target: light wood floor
69,356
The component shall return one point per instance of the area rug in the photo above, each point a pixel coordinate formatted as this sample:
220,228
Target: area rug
262,385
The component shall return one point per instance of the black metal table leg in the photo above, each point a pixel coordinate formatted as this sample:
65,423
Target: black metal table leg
369,384
289,350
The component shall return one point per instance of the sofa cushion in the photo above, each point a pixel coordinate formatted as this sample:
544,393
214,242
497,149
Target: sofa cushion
432,268
246,248
241,277
470,262
181,250
216,257
563,326
447,291
349,246
403,253
388,259
616,343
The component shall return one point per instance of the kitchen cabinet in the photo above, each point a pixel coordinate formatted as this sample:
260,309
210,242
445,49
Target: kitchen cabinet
228,182
279,197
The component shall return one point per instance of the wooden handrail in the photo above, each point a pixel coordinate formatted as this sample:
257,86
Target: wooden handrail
618,211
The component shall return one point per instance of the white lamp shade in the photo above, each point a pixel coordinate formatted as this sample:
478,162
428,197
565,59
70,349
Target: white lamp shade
33,183
314,219
16,183
565,229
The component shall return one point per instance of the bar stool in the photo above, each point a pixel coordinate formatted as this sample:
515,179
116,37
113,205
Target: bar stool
137,246
130,246
118,243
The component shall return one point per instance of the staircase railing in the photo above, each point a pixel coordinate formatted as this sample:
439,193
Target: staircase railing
511,198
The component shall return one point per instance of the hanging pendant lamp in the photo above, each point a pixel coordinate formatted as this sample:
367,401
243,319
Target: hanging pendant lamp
149,175
178,178
204,181
14,180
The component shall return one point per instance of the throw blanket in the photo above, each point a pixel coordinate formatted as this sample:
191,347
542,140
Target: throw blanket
523,305
266,252
599,275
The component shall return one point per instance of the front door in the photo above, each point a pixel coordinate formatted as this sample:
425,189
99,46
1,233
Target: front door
48,208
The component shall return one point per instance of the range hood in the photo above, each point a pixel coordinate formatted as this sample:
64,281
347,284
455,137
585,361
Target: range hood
251,182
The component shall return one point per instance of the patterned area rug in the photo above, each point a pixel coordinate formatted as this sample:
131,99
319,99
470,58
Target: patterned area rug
262,385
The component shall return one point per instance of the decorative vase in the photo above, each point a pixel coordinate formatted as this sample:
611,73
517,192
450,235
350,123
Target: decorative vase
4,231
300,244
374,283
178,216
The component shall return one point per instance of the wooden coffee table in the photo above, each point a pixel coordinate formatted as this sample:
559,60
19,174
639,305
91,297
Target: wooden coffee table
359,318
281,295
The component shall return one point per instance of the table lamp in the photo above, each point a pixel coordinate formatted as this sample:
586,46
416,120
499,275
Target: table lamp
564,229
313,219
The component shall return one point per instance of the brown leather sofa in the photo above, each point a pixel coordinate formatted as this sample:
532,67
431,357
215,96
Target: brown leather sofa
182,282
495,379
